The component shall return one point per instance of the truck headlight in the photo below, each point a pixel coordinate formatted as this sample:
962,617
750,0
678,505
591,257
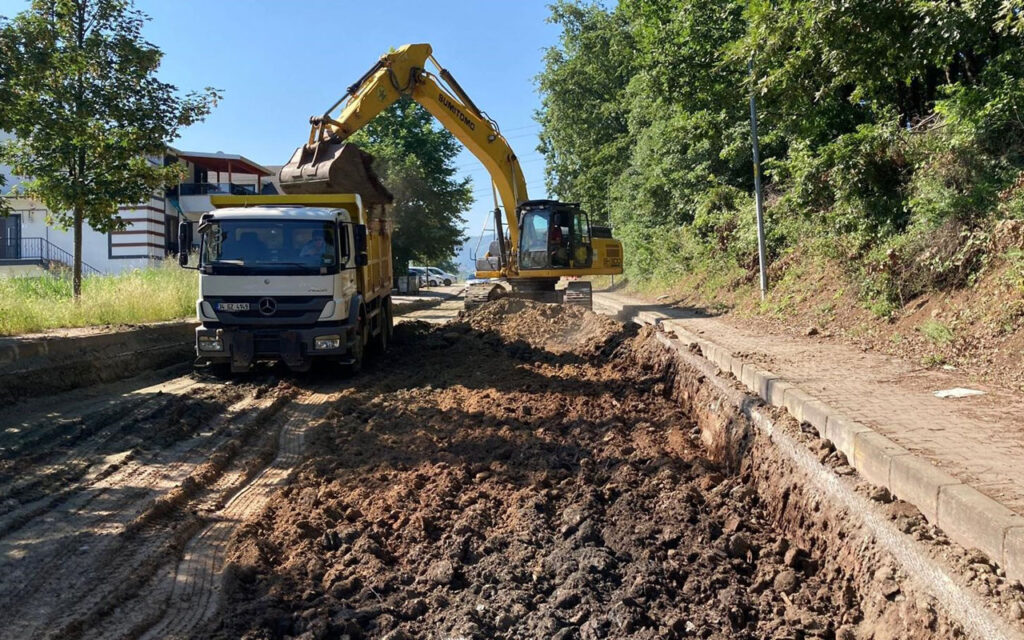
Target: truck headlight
210,343
326,342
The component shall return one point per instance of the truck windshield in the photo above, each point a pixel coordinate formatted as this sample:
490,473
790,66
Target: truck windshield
271,246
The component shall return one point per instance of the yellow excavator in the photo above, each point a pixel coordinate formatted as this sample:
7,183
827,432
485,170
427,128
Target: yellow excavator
544,240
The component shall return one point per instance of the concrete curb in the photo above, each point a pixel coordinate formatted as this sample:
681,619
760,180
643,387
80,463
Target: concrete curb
410,306
967,516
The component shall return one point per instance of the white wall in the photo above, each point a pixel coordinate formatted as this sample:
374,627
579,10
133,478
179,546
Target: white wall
139,245
95,246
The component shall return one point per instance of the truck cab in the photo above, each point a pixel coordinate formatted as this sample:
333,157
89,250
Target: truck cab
291,279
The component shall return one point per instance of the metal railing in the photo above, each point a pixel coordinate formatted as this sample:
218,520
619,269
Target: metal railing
216,188
41,251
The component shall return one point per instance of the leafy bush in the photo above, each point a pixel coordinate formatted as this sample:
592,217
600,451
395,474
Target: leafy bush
937,332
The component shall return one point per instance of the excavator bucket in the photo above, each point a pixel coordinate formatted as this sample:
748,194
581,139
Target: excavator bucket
334,167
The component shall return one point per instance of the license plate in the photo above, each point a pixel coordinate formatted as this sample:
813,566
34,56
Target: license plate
232,306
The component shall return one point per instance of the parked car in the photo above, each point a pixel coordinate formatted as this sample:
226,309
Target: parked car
447,279
427,279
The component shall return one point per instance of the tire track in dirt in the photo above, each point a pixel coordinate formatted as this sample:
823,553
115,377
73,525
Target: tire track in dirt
172,520
191,592
28,423
75,468
71,555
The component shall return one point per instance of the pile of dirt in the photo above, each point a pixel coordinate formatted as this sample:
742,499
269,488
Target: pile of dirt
469,488
555,328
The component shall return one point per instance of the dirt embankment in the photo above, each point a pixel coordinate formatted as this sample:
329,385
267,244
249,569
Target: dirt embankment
530,473
977,328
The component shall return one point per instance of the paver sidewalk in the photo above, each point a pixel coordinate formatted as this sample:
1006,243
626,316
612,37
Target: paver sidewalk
979,440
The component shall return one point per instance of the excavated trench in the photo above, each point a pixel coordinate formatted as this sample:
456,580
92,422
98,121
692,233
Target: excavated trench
533,471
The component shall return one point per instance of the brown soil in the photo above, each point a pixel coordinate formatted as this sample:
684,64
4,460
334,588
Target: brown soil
99,489
529,473
524,472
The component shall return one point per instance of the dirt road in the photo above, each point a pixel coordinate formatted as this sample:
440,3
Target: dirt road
103,490
527,473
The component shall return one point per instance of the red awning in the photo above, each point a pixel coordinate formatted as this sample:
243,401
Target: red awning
224,163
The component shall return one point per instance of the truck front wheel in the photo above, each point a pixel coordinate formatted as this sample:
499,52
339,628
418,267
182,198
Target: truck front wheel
358,352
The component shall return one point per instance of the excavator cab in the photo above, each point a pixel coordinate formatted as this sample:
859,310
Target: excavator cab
553,236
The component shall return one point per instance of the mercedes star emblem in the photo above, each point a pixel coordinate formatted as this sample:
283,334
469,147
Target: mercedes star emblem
267,306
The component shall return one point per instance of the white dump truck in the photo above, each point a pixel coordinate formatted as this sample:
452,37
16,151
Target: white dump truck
292,279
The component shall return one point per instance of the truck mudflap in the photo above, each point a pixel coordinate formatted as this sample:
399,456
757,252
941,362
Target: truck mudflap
291,352
242,351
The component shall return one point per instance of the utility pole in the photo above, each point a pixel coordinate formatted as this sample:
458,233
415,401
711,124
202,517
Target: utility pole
757,182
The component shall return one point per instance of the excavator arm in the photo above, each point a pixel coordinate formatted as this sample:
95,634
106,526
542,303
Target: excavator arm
314,169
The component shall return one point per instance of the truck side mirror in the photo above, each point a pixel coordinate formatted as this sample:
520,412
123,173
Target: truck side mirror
359,237
359,231
183,243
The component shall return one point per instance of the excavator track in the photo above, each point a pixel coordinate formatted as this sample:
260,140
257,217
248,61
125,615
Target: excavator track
477,294
578,293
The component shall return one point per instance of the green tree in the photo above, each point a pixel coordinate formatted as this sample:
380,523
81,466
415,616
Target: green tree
6,98
415,159
881,121
585,135
88,112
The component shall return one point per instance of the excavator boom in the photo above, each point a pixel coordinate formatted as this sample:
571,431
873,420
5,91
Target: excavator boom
547,239
324,164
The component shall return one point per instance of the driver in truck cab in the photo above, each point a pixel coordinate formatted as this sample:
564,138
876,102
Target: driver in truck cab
315,247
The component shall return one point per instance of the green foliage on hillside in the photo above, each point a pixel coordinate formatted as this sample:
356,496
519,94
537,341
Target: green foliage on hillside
892,132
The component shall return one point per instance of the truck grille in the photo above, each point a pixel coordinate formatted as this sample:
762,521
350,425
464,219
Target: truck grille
294,310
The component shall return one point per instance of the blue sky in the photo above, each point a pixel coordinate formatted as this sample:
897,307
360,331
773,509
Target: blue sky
280,62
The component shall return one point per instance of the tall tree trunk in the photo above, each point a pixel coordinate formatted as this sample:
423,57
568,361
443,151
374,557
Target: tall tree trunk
76,278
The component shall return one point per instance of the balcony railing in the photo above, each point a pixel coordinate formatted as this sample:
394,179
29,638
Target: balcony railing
42,252
216,188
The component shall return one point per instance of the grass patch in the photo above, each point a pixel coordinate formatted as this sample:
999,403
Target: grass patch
1015,273
936,332
163,292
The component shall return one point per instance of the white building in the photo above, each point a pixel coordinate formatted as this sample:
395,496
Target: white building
29,246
